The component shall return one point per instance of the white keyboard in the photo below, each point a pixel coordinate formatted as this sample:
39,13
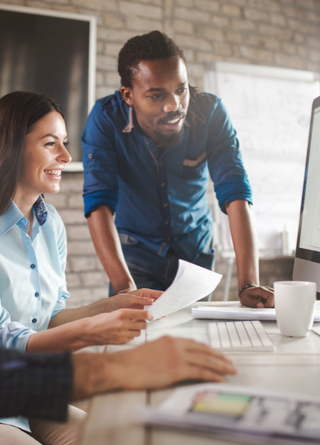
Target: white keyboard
244,336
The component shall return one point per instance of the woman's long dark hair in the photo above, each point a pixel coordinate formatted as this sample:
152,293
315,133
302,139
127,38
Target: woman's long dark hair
18,112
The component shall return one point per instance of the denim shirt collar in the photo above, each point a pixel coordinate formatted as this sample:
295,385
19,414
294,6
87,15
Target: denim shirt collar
14,216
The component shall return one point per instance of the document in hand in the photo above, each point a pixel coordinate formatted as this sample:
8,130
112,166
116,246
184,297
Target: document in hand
249,415
191,283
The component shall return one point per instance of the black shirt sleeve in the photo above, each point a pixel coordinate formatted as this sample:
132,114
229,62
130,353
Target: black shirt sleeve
35,385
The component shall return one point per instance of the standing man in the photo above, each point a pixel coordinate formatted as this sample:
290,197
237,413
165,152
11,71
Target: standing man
148,151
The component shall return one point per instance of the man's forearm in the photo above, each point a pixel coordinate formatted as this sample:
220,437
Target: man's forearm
108,247
245,241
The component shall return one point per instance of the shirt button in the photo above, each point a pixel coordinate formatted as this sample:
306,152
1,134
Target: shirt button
165,205
32,266
36,294
166,223
163,184
90,156
34,320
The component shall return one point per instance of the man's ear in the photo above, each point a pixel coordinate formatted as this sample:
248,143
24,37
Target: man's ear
126,94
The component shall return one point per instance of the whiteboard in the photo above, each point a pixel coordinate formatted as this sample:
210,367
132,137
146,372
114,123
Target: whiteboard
270,109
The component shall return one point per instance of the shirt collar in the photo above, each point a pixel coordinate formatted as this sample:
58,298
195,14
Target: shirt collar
14,215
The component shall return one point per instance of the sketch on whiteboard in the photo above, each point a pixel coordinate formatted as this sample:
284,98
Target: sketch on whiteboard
270,110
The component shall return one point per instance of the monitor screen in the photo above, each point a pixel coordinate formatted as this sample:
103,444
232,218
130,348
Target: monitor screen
307,258
49,52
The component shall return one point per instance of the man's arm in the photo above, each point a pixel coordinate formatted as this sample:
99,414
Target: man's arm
35,385
153,365
108,247
245,243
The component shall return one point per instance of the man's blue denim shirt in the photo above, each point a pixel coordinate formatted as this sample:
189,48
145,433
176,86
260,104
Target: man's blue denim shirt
160,198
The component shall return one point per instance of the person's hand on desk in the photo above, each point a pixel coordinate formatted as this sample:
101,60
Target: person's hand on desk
136,299
166,361
257,296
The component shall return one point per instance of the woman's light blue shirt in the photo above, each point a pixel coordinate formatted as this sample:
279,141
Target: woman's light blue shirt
32,273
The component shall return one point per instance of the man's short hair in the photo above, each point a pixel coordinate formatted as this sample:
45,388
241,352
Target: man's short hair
152,46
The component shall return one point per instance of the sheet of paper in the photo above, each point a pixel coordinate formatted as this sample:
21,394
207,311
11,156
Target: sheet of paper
190,284
241,410
238,313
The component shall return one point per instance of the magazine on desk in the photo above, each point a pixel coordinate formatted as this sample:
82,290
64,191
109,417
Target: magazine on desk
240,412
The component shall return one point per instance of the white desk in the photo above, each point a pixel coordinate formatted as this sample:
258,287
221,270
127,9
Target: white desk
294,366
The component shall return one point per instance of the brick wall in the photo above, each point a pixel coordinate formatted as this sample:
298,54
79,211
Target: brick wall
282,33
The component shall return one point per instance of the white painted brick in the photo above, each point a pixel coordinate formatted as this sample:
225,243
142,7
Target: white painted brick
203,57
280,33
82,263
207,5
312,41
99,5
315,56
195,69
100,78
109,35
185,3
70,216
81,248
257,15
113,79
104,91
100,47
268,5
71,182
101,292
303,51
76,201
133,8
142,25
183,26
192,42
113,20
221,22
78,232
229,9
223,49
278,20
36,4
93,279
285,60
73,280
234,37
270,43
58,200
211,33
243,25
106,63
289,48
310,4
256,54
189,55
193,15
113,49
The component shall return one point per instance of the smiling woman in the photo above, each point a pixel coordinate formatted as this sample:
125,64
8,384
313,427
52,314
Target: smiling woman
33,291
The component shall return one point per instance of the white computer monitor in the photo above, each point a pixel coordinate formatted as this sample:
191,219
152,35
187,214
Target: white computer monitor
307,257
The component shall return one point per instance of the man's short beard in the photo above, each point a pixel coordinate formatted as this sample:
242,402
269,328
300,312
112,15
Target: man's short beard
174,138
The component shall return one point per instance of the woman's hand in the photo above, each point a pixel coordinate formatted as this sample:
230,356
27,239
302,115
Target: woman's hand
136,299
117,327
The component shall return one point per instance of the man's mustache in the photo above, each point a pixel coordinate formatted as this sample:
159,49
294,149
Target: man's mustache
171,116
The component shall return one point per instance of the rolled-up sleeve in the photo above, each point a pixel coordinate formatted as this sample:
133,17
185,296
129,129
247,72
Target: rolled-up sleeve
99,161
13,335
225,161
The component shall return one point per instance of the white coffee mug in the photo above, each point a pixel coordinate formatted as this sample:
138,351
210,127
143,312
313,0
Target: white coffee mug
295,303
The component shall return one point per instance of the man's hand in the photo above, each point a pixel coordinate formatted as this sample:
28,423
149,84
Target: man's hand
258,296
117,327
152,365
169,360
136,299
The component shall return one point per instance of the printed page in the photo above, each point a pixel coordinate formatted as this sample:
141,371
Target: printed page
190,284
